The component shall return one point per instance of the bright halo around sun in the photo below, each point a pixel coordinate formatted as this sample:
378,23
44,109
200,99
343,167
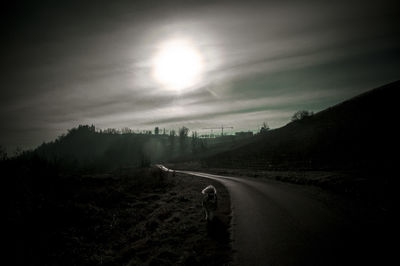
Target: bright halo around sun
177,65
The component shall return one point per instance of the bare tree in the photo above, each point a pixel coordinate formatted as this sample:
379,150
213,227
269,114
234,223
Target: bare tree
264,128
172,135
183,133
126,130
299,115
18,151
3,153
194,141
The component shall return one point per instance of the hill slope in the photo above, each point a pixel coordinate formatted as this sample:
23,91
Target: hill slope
83,147
355,134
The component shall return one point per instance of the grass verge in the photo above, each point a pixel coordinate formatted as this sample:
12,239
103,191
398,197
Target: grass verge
128,217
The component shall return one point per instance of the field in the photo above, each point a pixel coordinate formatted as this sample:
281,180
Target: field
128,217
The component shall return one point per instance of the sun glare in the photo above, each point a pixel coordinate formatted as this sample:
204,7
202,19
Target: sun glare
177,65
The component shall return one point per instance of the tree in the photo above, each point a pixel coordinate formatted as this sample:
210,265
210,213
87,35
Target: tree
3,153
126,130
264,128
183,133
172,139
112,131
194,142
299,115
18,151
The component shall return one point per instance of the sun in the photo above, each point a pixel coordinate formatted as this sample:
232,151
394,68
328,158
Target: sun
177,65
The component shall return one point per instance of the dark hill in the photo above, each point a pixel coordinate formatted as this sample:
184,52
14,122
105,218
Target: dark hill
356,134
84,148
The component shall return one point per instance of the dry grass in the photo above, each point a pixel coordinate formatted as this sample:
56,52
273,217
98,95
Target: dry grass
174,231
131,217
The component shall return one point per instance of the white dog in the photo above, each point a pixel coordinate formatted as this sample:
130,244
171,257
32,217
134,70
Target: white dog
210,201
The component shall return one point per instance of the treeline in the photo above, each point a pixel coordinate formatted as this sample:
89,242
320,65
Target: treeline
85,148
56,213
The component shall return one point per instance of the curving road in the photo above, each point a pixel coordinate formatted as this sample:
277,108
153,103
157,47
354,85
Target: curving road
276,223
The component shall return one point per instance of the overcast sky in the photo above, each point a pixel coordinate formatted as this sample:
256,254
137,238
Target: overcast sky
90,62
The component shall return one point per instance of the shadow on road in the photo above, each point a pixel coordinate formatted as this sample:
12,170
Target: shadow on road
218,231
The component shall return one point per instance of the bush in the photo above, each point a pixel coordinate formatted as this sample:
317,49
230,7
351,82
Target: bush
299,115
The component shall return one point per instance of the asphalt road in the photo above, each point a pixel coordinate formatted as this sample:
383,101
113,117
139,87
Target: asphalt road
275,223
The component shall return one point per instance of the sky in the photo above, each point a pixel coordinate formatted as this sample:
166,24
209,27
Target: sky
65,63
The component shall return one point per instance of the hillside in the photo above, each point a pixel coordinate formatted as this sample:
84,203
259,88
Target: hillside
85,148
358,133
